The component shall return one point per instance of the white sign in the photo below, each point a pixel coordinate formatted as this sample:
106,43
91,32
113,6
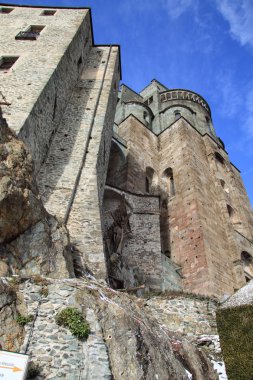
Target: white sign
13,366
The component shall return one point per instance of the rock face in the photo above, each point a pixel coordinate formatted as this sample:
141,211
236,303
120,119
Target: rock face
31,240
20,206
11,333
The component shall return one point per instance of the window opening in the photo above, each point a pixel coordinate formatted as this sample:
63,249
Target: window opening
48,12
7,62
149,101
247,263
177,115
80,61
6,10
230,211
147,187
219,158
32,33
169,182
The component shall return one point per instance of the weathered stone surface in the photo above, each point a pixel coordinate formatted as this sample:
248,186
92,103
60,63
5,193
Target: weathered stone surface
31,241
20,205
11,334
126,341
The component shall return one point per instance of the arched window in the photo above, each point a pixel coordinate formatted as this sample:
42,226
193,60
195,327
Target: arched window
151,181
230,211
177,114
168,180
116,174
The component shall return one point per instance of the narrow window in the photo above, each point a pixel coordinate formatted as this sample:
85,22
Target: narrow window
219,158
32,33
230,211
150,100
6,10
48,12
147,185
145,115
177,115
80,61
222,183
7,62
168,181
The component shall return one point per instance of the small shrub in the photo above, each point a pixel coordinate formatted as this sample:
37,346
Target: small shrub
72,318
22,320
39,280
44,291
33,370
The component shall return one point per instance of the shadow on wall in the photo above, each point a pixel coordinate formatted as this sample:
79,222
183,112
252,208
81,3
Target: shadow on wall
64,139
124,266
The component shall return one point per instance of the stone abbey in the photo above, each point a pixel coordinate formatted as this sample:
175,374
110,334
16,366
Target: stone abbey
141,182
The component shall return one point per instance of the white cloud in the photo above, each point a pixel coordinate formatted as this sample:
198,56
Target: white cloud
176,8
239,15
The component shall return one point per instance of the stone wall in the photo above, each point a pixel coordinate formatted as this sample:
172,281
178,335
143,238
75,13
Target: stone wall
39,84
72,178
120,327
189,316
205,216
138,262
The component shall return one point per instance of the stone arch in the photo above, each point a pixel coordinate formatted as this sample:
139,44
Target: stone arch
151,181
116,173
247,264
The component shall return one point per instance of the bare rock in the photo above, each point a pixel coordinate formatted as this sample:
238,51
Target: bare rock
11,333
31,240
20,205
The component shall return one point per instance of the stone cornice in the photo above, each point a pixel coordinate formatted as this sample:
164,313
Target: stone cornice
180,94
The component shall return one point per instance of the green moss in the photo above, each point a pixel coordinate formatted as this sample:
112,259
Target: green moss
235,326
22,320
72,318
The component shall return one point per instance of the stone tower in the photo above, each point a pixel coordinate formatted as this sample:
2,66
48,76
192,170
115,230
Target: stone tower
186,221
58,93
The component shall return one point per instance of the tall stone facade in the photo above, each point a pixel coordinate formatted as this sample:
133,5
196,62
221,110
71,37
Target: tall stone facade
58,92
165,152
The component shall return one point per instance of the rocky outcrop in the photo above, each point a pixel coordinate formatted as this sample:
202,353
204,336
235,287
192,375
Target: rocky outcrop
31,240
20,205
11,333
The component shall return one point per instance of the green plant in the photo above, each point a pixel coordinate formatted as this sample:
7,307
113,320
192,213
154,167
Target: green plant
72,318
22,320
44,291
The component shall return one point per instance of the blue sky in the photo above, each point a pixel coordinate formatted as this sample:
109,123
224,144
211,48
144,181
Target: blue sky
202,45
